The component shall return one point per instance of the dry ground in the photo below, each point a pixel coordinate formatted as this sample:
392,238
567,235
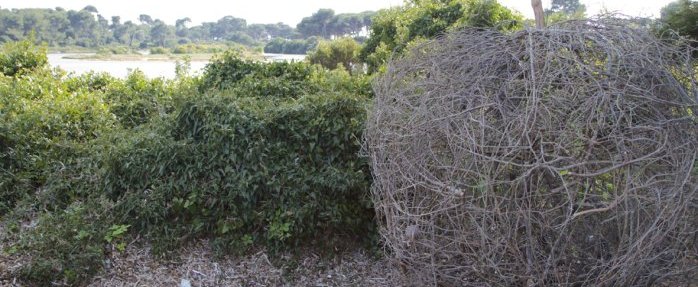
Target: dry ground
196,265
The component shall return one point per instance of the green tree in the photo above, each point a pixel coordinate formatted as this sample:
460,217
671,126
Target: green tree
91,9
86,27
132,33
349,24
257,32
160,33
145,19
227,26
332,54
280,30
680,16
567,6
82,23
562,10
181,26
317,24
21,56
392,30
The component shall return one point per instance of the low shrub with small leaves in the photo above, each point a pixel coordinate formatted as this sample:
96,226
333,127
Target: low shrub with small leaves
137,99
67,246
21,56
248,168
43,124
249,154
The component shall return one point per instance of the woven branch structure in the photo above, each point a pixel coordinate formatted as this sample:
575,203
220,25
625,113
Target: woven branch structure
556,157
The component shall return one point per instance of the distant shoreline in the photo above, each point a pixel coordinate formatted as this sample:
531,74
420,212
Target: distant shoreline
205,57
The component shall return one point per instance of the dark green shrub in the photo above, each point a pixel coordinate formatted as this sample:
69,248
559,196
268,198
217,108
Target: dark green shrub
339,80
66,246
114,50
191,48
255,79
89,82
137,99
278,80
284,46
225,70
339,52
250,153
18,57
43,124
248,170
159,51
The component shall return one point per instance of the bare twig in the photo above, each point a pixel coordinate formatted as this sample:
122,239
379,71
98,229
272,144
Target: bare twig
487,149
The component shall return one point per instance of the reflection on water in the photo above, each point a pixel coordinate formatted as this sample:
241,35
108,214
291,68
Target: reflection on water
151,69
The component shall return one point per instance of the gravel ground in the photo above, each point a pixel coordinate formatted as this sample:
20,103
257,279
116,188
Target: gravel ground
196,266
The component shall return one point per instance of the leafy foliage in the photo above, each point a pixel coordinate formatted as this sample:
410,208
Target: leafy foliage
280,162
324,23
136,100
280,79
44,121
563,10
283,46
249,154
87,28
566,6
67,244
342,52
680,16
394,29
21,56
274,173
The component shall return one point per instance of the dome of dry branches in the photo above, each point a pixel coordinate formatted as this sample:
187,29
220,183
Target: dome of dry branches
564,156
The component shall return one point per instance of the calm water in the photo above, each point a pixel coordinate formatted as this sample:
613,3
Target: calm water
150,68
120,68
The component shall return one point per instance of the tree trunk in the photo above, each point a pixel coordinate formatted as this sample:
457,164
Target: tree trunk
538,12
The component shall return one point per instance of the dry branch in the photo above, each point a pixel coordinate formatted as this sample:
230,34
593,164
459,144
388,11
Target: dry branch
487,147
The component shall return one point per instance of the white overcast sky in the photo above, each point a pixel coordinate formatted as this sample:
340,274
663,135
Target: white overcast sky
288,11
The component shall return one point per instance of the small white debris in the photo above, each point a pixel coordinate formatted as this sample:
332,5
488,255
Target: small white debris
185,283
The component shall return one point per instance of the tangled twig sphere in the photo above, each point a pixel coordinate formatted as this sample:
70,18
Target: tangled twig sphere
557,157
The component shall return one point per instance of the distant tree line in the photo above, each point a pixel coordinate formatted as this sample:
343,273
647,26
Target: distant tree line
381,33
88,28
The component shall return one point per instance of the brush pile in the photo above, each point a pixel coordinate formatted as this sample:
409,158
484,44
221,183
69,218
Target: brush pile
564,156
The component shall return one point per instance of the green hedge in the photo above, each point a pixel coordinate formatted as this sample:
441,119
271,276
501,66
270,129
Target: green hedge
249,154
22,56
247,170
137,99
42,128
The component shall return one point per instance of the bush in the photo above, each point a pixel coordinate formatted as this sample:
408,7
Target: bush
43,124
250,78
679,17
114,50
191,48
21,56
137,99
247,170
283,46
332,54
250,154
67,246
159,50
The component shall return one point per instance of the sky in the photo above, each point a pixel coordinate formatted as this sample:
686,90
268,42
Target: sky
289,11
